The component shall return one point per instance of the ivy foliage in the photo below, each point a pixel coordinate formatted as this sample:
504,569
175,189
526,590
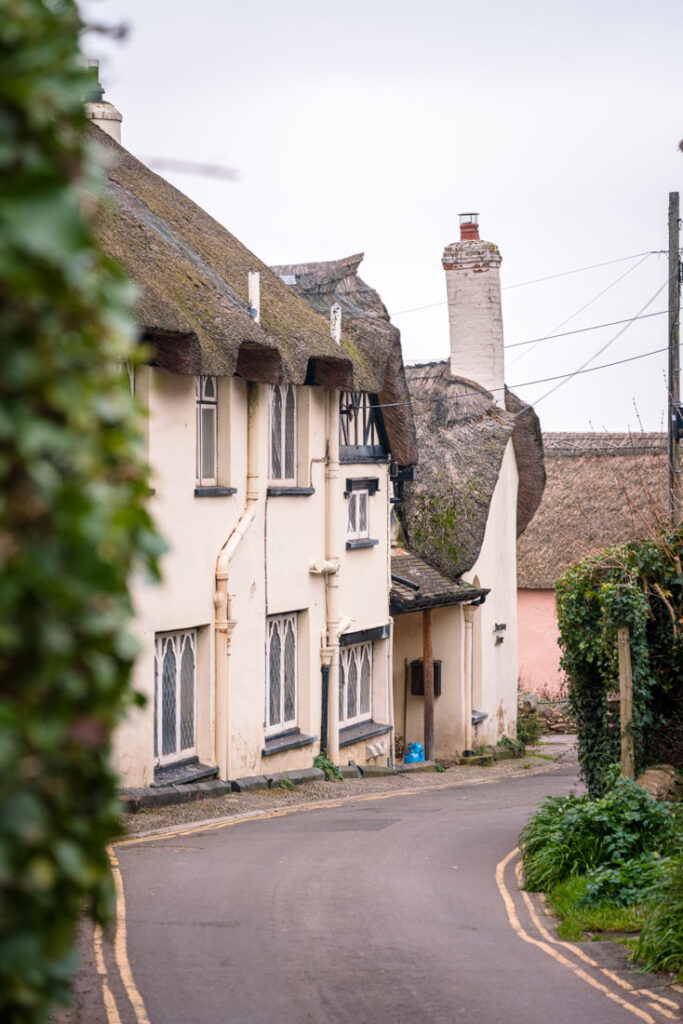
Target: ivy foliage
72,519
639,585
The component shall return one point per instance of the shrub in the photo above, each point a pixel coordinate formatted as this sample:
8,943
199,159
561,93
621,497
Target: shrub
72,518
660,947
572,835
624,885
528,730
638,585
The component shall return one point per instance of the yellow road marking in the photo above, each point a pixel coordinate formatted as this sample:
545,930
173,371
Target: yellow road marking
587,959
109,1001
120,945
548,949
660,999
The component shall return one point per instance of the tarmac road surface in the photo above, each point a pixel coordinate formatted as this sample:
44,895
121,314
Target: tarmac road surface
396,908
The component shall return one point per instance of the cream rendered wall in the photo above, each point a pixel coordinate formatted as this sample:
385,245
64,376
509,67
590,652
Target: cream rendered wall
447,634
268,574
496,568
194,530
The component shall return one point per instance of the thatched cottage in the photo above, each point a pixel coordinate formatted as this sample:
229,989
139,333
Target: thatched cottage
478,481
602,489
275,436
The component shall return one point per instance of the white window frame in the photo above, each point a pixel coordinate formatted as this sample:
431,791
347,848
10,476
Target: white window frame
354,655
282,398
278,626
207,403
354,530
177,642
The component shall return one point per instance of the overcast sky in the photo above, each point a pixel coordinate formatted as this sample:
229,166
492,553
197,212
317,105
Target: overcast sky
368,126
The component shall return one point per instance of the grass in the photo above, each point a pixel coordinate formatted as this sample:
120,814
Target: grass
579,922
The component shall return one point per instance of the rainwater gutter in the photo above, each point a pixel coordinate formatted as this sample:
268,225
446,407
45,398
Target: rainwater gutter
224,624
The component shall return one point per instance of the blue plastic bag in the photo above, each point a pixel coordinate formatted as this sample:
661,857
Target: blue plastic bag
414,754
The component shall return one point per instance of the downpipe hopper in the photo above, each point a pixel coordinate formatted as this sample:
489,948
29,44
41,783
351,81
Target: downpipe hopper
324,567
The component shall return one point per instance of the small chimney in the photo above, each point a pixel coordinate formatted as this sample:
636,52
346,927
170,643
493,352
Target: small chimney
336,322
474,308
254,292
103,114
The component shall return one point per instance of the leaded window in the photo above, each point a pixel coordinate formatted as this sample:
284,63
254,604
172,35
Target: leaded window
207,407
355,683
281,688
175,689
282,460
358,520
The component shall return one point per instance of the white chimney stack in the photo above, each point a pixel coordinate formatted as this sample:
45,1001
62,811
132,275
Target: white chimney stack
474,308
103,114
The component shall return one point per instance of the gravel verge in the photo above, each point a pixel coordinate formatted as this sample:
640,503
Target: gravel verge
551,753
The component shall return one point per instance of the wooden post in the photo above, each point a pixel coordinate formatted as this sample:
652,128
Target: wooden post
674,360
626,703
428,677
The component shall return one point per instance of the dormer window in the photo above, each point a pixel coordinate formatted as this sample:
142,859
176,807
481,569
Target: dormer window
359,433
282,459
207,404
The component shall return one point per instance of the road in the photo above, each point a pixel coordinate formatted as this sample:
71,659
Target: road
400,909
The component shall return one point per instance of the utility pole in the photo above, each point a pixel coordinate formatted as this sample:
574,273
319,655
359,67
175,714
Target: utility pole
626,703
674,361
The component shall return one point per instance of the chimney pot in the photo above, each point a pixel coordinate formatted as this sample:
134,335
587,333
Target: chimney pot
469,227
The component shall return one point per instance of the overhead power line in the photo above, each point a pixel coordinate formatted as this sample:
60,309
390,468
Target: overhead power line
529,383
538,280
582,330
607,344
603,291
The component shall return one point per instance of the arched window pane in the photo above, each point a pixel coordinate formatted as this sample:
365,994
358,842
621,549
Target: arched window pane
275,669
276,434
365,682
351,689
168,701
290,433
187,696
290,674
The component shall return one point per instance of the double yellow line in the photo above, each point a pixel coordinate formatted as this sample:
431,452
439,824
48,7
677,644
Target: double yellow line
548,944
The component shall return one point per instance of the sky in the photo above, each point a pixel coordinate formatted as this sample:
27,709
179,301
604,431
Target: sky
369,126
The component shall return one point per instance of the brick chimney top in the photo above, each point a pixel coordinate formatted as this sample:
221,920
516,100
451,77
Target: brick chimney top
469,227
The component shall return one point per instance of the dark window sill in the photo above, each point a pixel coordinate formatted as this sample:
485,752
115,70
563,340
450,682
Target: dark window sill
213,492
286,741
364,542
361,731
291,492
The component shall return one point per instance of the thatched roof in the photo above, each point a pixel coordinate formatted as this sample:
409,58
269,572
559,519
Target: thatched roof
601,489
462,436
365,322
193,303
415,584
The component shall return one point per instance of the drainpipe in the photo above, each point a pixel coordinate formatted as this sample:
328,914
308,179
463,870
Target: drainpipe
332,577
468,612
223,623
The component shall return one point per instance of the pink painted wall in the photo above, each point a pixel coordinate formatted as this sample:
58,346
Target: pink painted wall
538,655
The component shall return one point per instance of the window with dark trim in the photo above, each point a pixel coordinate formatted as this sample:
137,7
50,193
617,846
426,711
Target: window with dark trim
282,455
359,434
355,683
281,684
207,409
175,694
